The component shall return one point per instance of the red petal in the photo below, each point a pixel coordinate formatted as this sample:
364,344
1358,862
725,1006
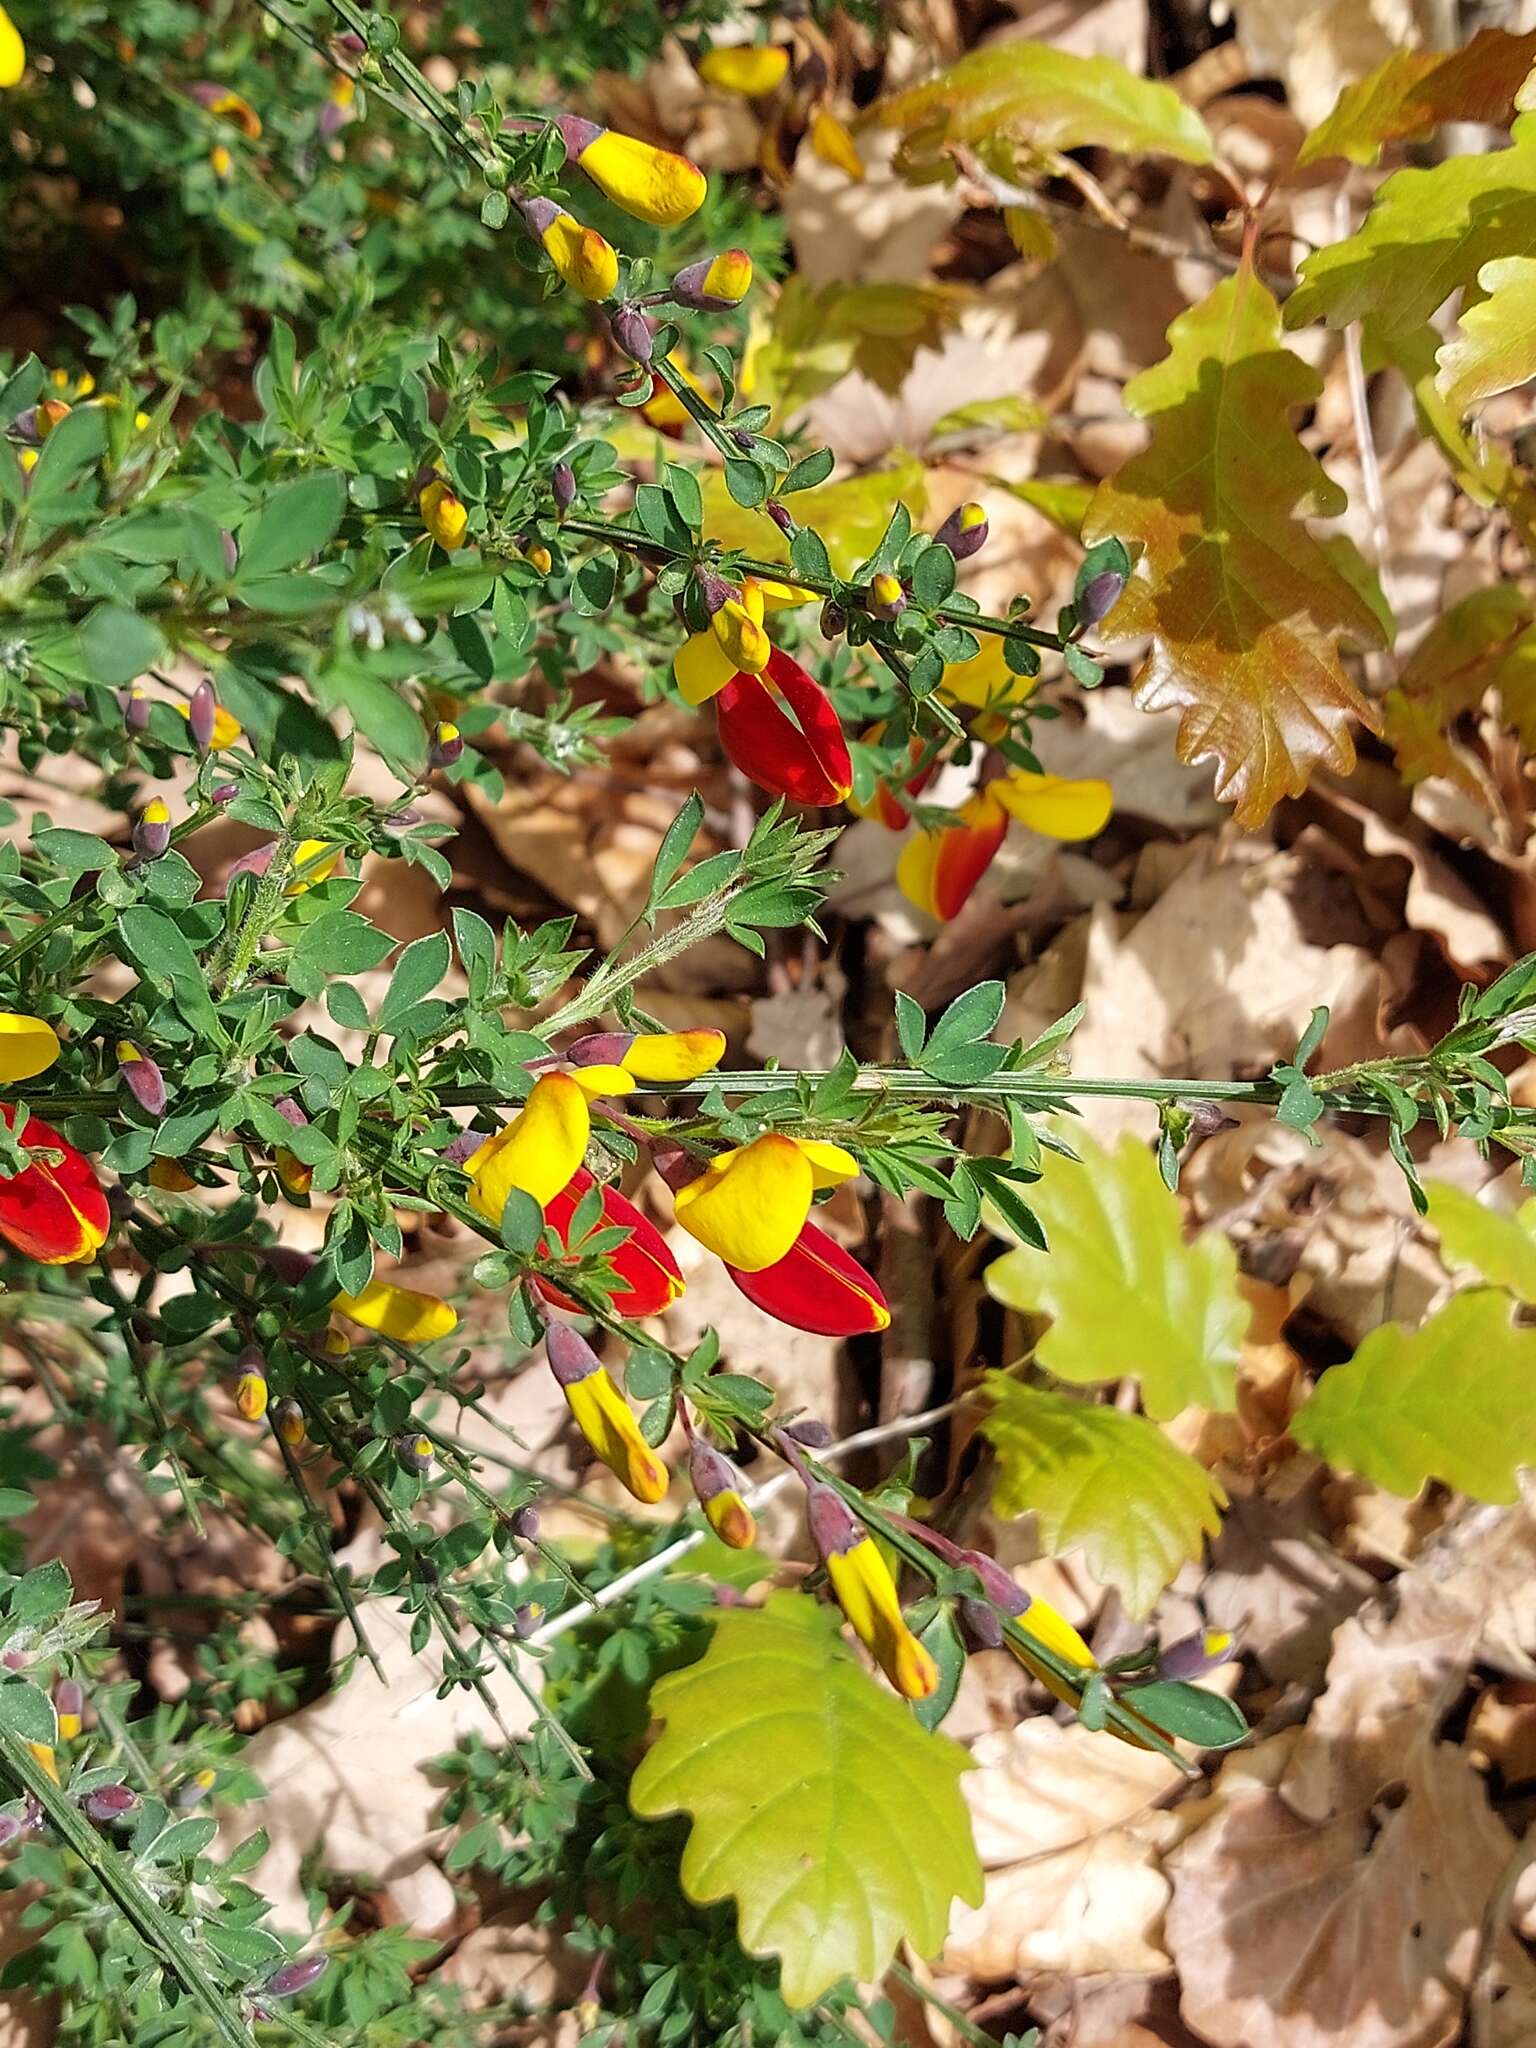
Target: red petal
652,1279
816,1286
54,1214
811,766
964,855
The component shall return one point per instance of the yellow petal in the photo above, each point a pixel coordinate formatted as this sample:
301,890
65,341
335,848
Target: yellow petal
595,1081
581,256
654,185
830,1164
1055,805
606,1421
305,876
674,1055
27,1046
915,866
835,146
751,69
702,668
444,515
866,1593
741,636
398,1312
13,55
749,1206
538,1151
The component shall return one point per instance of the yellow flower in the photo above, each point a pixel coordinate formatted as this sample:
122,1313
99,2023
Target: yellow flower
444,515
674,1055
751,69
835,146
654,185
866,1592
295,1176
313,859
538,1151
27,1046
251,1395
1054,804
226,727
13,52
583,259
220,162
398,1312
602,1080
749,1205
735,643
602,1414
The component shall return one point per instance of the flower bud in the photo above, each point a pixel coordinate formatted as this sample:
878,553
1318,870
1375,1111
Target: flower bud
833,623
964,532
194,1789
134,705
69,1706
152,830
809,1431
289,1417
202,713
414,1452
715,283
719,1487
223,793
296,1976
525,1522
781,516
632,332
980,1622
220,162
571,1357
538,558
109,1802
1099,597
231,550
744,441
600,1049
142,1078
51,413
444,515
752,70
581,257
866,1592
12,1828
525,1619
251,1388
447,745
562,485
887,599
602,1414
1195,1656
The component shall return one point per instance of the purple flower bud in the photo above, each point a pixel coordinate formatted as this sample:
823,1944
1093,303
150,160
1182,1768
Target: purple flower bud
834,620
1101,594
979,1619
964,532
998,1585
11,1829
525,1522
833,1525
1192,1657
710,1472
231,550
464,1146
714,282
152,830
350,43
292,1978
808,1431
414,1451
256,862
402,821
194,1789
135,708
224,793
744,441
109,1802
571,1357
562,484
781,516
632,332
447,745
525,1619
25,426
600,1049
576,133
200,715
143,1079
290,1112
887,599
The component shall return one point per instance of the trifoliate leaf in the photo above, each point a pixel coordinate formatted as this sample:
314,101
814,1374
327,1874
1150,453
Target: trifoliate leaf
1415,90
1495,347
1050,99
1428,234
1450,1401
1244,606
1099,1481
818,1803
1499,1246
1128,1297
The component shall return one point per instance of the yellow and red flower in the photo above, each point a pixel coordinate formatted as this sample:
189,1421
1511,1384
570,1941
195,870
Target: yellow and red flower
650,1277
53,1211
602,1414
780,730
938,870
817,1286
749,1205
720,1489
538,1151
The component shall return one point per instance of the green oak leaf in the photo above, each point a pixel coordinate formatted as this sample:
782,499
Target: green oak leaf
1501,1247
1450,1401
1106,1483
1126,1295
818,1803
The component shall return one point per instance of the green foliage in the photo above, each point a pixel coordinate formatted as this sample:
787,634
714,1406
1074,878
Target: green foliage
1126,1295
1103,1482
833,1821
1448,1401
1499,1246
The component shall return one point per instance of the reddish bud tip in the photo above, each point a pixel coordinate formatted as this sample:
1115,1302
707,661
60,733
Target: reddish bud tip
110,1802
201,713
571,1357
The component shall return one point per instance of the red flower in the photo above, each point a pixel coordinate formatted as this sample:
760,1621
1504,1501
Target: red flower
652,1279
802,756
54,1213
816,1286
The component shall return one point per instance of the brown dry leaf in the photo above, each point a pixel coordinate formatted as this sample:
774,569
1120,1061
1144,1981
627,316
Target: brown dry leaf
1317,47
1069,1839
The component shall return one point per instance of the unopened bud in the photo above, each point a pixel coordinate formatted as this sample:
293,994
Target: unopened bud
194,1789
223,793
525,1619
808,1431
525,1522
744,441
69,1706
135,708
833,1525
142,1078
964,532
152,830
599,1049
251,1393
402,821
1193,1657
980,1622
289,1417
571,1357
294,1977
781,516
231,550
414,1452
201,713
1099,597
999,1586
562,485
632,332
833,621
538,558
447,745
719,1487
110,1802
51,412
714,283
887,599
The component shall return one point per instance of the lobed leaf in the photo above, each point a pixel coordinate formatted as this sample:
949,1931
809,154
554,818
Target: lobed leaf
1415,90
1495,347
1244,606
818,1803
1501,1247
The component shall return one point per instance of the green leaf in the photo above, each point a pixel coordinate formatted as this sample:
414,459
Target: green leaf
808,472
1106,1483
163,955
818,1803
339,942
1415,90
1050,99
119,645
294,524
1450,1401
1428,234
1499,1246
673,851
1188,1713
1495,348
27,1711
419,970
1127,1295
